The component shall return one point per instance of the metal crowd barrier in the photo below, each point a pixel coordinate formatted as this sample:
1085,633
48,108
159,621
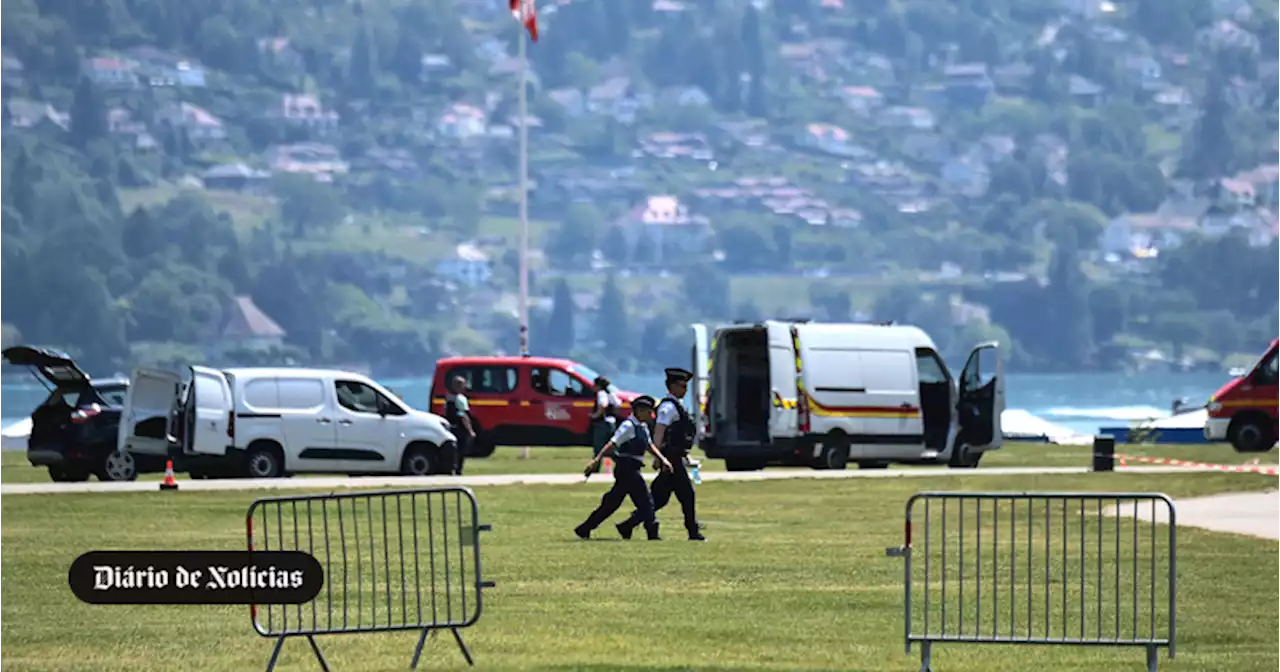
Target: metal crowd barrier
393,560
1084,569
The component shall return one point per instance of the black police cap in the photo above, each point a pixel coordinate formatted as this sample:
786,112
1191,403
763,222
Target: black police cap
677,375
643,400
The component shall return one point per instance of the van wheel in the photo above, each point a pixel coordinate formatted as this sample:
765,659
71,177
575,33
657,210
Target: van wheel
117,466
1249,435
417,461
263,461
963,458
835,452
65,475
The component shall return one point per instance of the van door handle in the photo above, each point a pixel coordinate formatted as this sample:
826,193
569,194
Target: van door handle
344,422
323,420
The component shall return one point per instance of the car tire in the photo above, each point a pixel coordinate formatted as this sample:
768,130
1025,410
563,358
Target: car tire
117,467
418,460
71,475
263,460
1250,435
835,452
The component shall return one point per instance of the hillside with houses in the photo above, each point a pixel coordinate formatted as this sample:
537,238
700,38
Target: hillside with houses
1095,182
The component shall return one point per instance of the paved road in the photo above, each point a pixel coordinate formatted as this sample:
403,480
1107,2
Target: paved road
1253,513
333,482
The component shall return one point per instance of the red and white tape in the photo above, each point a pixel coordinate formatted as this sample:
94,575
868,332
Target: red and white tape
1237,468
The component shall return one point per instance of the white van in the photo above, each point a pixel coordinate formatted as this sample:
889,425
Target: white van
267,422
822,395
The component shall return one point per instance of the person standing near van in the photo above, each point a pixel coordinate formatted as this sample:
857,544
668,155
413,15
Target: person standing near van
457,412
629,445
604,417
674,433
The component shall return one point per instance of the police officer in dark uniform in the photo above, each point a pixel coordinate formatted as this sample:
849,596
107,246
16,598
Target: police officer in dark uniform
457,412
605,415
674,433
629,445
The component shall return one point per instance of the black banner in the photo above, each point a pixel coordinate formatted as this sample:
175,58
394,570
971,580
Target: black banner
195,577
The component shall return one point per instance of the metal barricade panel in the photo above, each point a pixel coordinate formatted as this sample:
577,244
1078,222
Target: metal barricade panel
1041,568
393,560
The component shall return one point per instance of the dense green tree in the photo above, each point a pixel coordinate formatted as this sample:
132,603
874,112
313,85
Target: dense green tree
614,318
88,114
560,326
1210,151
574,240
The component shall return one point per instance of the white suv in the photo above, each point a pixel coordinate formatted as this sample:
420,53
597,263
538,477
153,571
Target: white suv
268,422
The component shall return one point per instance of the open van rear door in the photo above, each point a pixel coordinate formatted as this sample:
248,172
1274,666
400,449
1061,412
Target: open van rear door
700,366
209,428
982,398
147,419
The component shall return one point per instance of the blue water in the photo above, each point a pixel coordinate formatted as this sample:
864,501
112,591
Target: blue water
1082,402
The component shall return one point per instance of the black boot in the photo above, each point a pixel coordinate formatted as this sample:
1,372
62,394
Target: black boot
625,528
695,533
652,530
582,532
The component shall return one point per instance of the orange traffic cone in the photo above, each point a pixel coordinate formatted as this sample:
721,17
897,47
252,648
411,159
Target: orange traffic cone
169,482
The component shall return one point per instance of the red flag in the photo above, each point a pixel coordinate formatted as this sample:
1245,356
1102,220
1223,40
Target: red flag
524,9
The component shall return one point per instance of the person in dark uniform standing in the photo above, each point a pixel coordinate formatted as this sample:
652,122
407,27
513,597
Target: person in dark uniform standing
604,416
674,433
457,412
629,445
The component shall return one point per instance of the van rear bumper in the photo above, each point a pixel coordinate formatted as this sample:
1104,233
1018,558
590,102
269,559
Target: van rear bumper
44,457
1215,429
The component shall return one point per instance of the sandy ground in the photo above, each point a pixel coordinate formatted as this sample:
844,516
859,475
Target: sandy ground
1253,513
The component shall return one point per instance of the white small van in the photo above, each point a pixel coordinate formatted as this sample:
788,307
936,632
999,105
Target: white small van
268,422
822,395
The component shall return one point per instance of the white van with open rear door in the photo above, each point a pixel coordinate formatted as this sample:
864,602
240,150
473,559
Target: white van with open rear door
823,395
268,422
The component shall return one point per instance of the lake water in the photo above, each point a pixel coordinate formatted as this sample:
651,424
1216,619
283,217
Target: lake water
1081,402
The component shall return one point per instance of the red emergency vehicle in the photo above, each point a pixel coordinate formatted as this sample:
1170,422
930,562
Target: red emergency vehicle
523,401
1243,412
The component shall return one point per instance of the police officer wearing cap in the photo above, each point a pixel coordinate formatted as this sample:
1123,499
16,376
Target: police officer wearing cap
674,434
629,445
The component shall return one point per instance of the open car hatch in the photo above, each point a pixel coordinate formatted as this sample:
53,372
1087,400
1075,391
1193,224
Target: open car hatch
56,367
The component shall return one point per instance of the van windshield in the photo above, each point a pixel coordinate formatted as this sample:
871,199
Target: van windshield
1267,370
586,372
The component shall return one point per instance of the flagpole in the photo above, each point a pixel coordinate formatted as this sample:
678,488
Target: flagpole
524,187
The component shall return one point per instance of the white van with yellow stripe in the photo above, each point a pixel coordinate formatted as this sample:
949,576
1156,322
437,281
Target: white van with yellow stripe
824,395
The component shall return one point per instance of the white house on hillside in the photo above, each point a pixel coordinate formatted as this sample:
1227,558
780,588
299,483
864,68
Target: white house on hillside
468,266
665,224
246,327
1143,235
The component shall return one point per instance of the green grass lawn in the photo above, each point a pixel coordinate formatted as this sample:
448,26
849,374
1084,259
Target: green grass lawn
794,578
14,467
249,212
380,233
